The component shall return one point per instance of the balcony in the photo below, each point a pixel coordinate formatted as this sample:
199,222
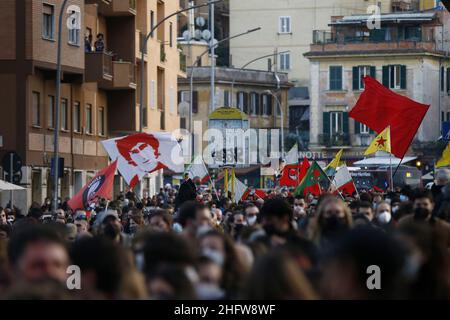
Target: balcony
334,140
327,41
115,8
123,75
99,67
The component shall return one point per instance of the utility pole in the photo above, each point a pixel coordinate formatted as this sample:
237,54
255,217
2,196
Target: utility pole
213,57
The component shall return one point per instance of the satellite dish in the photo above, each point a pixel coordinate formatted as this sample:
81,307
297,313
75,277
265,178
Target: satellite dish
214,42
206,34
198,34
200,21
187,35
183,108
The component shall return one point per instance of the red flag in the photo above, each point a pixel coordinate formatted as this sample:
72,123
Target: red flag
379,107
290,176
100,186
315,189
260,194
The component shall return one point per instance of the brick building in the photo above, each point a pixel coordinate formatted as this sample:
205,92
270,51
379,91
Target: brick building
100,90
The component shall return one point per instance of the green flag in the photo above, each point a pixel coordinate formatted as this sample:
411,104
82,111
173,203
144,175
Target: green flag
314,175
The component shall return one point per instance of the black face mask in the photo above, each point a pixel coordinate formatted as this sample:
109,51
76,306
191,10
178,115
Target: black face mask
333,226
238,228
111,230
421,214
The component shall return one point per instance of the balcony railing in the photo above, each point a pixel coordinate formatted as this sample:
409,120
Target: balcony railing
99,66
334,140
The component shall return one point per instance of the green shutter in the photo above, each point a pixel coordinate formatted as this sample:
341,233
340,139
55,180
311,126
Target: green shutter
356,78
270,105
257,103
386,76
195,102
448,79
373,72
345,122
357,127
403,77
245,103
326,124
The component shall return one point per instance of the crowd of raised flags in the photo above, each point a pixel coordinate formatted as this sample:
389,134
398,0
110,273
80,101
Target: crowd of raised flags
395,117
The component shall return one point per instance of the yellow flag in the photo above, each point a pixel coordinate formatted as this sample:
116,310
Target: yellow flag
381,143
445,160
334,164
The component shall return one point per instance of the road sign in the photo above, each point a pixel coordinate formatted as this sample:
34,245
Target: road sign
16,179
446,131
16,162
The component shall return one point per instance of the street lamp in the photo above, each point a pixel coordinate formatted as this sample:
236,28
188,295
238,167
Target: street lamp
58,105
282,119
144,46
197,61
249,63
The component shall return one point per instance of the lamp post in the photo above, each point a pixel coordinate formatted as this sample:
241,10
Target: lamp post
58,105
282,119
249,63
144,46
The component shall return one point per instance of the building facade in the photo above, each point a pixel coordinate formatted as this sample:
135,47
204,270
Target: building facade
99,95
256,93
409,55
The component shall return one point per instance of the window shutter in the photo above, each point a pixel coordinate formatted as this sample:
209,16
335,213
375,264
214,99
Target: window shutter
386,76
270,105
258,101
356,78
345,122
245,103
373,72
195,102
403,77
237,100
448,79
326,123
357,127
179,97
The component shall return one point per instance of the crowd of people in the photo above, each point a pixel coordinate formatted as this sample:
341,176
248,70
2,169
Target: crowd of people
188,243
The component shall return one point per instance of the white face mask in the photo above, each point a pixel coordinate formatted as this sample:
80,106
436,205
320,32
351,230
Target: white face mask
251,220
384,217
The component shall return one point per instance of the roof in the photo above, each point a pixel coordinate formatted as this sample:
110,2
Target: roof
383,161
6,186
390,17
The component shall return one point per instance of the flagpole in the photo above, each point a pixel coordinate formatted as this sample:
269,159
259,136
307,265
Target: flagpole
395,172
390,168
337,189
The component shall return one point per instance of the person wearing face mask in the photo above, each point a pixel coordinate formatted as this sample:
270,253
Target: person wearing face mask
333,220
300,212
107,224
383,215
251,215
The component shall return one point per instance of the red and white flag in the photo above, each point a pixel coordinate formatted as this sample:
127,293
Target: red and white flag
343,181
143,153
101,186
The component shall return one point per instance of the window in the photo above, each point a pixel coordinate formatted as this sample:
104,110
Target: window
36,109
363,129
254,100
185,96
48,21
394,77
265,105
442,78
277,106
64,115
76,117
285,61
240,100
101,121
171,34
74,34
89,118
285,25
336,122
51,112
227,98
152,20
359,73
336,78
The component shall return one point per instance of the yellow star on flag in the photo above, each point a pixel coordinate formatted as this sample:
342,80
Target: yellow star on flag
381,143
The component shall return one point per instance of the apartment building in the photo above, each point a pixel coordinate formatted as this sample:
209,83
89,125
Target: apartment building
100,85
287,25
409,55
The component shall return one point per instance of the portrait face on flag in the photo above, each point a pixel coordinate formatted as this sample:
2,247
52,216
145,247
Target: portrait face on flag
143,153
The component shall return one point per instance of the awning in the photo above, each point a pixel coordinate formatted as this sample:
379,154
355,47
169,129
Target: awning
6,186
391,17
383,161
